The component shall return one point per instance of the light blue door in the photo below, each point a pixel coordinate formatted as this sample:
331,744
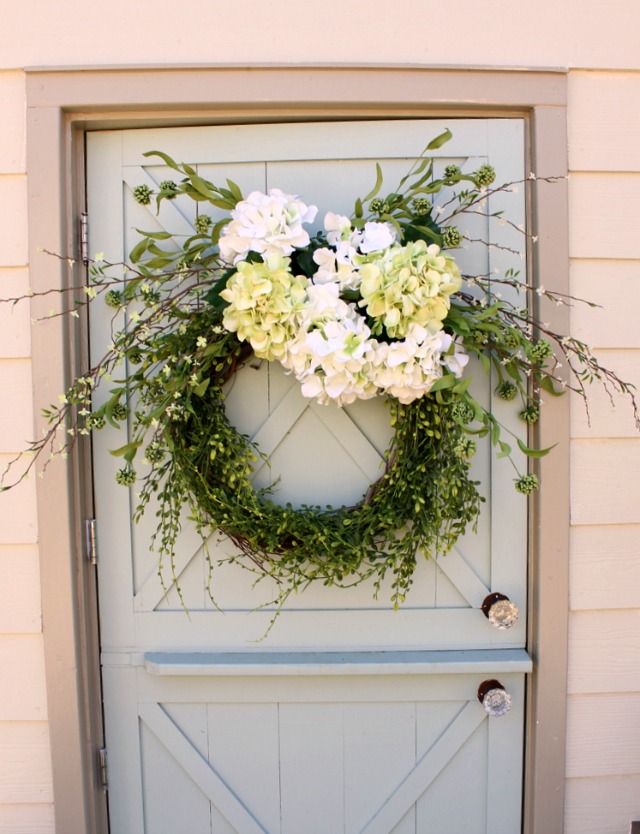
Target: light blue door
349,716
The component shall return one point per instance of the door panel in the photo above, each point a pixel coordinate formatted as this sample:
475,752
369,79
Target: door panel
278,754
320,754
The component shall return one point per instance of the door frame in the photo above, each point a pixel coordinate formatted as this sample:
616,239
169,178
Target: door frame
61,106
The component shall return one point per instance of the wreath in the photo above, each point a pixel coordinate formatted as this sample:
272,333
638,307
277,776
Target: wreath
372,305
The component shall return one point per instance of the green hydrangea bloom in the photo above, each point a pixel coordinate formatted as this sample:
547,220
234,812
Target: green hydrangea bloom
263,300
409,284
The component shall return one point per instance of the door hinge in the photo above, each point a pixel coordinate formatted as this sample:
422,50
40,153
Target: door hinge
84,237
102,768
91,541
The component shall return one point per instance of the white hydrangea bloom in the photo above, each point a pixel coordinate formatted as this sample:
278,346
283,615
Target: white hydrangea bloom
408,369
332,271
377,236
332,352
269,224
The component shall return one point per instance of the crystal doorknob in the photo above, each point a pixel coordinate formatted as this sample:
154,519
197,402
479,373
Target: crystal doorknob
494,698
500,611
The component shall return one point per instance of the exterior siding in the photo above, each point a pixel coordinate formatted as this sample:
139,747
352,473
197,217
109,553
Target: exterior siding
603,763
603,758
26,794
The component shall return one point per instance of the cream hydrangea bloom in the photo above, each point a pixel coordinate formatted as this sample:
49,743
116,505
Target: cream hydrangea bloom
407,285
269,224
264,299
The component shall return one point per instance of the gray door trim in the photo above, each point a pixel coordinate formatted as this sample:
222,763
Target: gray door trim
62,104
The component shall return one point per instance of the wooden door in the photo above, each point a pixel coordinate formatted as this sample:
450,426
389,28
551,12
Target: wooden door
349,716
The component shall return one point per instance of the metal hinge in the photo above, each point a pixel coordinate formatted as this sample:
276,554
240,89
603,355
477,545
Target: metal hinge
90,540
102,768
84,237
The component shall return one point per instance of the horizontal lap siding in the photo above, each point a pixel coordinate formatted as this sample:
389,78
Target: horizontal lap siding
544,33
603,732
25,768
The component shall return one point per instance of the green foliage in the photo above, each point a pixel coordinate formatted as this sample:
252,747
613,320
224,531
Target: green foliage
171,356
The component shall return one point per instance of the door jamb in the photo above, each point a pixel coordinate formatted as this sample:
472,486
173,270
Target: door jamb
62,105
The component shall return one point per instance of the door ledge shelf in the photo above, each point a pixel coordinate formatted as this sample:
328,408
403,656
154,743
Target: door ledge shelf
211,664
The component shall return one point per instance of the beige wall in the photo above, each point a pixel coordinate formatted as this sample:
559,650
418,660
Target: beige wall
603,764
25,770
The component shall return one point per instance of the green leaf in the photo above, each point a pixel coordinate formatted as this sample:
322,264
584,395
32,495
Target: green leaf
546,383
415,171
534,453
358,210
377,186
233,188
128,451
447,381
166,159
155,235
440,140
462,385
200,389
505,450
139,250
201,186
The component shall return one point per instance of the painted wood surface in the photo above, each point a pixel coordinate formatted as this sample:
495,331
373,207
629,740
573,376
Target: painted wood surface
604,652
591,195
578,37
14,319
600,495
613,720
24,696
609,414
605,567
329,755
30,818
544,35
358,744
25,767
602,805
17,418
601,137
614,286
447,598
20,610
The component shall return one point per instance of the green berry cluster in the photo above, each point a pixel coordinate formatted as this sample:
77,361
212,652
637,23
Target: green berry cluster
541,351
169,189
150,297
506,391
120,412
451,238
154,452
465,448
509,339
142,194
203,221
485,175
114,298
126,477
462,412
530,414
452,172
95,422
379,206
421,206
526,484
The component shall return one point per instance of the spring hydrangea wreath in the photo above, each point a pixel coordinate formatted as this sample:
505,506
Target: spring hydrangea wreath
374,305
